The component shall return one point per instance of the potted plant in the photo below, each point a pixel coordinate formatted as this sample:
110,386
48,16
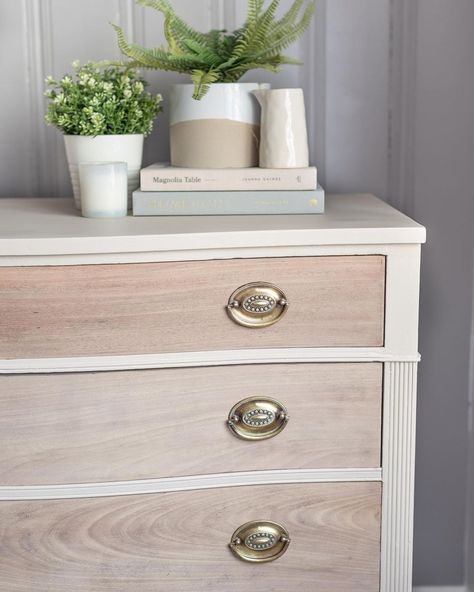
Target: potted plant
214,121
104,112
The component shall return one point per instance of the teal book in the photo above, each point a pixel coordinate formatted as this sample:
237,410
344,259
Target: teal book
227,203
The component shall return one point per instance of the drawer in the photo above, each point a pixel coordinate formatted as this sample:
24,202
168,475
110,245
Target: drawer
175,307
114,426
179,542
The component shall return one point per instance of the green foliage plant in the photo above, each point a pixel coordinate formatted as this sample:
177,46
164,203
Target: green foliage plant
101,99
219,56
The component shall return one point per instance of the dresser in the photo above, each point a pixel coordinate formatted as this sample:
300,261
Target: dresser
207,404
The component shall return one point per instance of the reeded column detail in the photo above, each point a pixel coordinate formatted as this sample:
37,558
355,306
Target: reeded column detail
398,462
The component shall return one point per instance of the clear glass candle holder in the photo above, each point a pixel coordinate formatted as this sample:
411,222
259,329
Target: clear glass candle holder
103,189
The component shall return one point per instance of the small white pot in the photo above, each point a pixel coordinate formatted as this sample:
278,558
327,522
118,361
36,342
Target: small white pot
222,130
114,148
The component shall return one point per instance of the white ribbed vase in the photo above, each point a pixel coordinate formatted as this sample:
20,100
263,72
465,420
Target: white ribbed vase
114,148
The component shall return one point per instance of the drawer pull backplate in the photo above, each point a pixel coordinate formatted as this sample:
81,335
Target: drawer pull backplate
260,541
257,305
257,418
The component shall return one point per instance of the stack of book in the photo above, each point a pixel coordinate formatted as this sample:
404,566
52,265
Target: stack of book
173,191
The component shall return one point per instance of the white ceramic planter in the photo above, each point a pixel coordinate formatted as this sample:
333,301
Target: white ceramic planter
115,148
222,130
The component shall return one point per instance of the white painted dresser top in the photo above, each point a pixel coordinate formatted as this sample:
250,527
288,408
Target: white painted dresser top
51,226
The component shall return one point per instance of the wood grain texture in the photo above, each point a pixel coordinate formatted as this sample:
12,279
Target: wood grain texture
165,307
117,426
177,542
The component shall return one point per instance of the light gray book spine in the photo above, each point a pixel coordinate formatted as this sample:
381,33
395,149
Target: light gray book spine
215,203
160,177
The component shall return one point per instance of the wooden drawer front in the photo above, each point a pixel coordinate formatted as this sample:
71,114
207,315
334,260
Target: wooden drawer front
75,428
178,542
166,307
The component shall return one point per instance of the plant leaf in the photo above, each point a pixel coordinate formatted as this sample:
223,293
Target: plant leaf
218,55
157,57
202,81
180,28
203,53
289,36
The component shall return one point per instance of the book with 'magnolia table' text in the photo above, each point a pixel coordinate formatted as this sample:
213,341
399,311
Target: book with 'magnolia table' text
161,177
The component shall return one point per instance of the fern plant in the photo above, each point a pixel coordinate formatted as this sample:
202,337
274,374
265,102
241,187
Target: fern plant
220,56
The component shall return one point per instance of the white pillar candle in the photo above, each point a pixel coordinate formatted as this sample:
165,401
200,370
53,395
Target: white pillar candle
103,189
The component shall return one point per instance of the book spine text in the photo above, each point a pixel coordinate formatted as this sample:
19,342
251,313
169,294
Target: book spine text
229,180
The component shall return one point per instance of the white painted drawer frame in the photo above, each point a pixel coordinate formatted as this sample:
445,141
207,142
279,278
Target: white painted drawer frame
399,354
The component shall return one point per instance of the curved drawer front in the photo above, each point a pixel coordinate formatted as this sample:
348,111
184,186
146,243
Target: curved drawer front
179,542
114,426
175,307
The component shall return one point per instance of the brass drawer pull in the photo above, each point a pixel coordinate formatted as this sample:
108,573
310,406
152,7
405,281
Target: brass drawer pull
257,305
257,418
260,541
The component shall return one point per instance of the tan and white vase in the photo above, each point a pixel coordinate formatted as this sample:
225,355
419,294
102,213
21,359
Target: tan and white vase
222,130
283,132
112,148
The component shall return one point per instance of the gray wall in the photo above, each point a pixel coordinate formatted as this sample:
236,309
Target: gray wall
470,507
442,196
390,96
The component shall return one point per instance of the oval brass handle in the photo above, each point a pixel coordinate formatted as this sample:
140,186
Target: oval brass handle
260,541
257,305
257,418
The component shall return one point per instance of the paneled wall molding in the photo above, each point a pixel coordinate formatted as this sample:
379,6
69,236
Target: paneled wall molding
126,10
230,14
357,96
132,20
313,80
217,13
39,53
402,111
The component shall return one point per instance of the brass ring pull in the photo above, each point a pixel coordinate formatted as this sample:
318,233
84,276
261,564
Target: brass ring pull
260,541
257,305
257,418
